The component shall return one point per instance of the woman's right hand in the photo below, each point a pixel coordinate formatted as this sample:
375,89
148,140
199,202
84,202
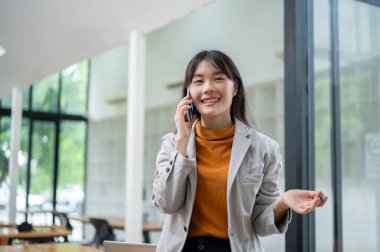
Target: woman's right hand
183,128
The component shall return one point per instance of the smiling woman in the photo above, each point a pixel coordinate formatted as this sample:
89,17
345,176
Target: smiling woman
217,178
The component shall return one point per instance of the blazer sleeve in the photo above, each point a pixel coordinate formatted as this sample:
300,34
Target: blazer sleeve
172,170
263,214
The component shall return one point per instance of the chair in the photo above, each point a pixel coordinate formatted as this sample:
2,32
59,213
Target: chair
65,221
103,231
25,227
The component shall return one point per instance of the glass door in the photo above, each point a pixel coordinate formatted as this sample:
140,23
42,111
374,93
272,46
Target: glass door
359,37
355,112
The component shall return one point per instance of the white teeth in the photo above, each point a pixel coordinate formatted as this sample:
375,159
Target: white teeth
211,100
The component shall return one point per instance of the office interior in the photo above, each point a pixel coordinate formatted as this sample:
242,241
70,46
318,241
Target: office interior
73,138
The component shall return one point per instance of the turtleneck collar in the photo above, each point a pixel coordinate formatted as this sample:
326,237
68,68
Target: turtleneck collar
214,135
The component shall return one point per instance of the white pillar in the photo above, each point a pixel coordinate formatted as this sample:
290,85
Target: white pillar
135,138
16,118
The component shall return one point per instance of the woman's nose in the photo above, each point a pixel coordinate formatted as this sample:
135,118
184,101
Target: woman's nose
209,86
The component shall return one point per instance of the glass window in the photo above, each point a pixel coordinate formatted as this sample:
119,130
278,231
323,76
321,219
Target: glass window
5,125
359,120
42,168
45,94
23,161
72,146
25,98
322,137
74,89
6,102
360,124
4,156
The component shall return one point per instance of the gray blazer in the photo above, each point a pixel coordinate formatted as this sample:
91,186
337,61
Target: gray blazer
252,188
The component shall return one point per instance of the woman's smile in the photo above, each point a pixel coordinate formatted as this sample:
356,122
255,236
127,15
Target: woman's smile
209,101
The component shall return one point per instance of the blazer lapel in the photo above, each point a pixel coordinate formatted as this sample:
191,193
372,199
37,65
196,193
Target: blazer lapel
240,145
191,153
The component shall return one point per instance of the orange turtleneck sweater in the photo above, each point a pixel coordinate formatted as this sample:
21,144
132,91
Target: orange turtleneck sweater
209,217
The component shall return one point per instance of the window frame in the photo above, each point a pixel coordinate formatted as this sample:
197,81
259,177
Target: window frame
57,118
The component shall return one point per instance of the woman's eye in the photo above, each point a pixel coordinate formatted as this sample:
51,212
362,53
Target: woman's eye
219,79
198,81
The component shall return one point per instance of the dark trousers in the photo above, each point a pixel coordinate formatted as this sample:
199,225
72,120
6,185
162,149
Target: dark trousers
206,244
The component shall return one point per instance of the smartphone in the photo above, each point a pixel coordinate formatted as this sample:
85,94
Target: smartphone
190,111
323,198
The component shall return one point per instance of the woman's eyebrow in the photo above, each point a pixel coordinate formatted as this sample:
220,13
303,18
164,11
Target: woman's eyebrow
213,73
197,75
217,72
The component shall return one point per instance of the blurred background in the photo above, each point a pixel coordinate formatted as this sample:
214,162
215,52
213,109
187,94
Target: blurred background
72,156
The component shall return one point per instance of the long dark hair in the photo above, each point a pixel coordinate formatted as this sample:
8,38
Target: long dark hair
224,64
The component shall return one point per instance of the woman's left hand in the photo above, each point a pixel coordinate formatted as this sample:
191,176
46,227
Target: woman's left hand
303,201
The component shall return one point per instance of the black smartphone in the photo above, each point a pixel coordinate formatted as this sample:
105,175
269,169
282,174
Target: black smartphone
323,198
190,111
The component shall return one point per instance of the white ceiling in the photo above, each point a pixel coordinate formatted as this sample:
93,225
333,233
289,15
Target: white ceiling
42,37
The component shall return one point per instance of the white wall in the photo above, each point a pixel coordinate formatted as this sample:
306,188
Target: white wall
108,82
251,32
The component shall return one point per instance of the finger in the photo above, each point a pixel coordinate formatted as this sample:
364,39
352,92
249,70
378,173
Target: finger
185,97
314,204
310,206
183,110
323,202
319,194
182,103
314,194
194,117
303,210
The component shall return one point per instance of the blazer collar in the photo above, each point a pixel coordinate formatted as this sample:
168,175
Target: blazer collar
242,141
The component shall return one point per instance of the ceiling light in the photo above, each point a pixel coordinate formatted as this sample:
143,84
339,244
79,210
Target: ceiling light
2,51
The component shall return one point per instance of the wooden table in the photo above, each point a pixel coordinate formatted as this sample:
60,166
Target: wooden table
9,233
51,247
119,223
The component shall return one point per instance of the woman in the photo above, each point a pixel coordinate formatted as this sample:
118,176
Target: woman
217,178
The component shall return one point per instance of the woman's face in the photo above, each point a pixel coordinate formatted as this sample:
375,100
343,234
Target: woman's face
212,92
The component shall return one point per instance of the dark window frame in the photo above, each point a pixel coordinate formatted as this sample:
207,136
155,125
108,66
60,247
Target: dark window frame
336,159
372,2
299,116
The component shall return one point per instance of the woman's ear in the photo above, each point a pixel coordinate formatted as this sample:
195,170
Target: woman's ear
235,88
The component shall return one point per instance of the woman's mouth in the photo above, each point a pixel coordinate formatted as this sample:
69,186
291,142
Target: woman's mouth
210,100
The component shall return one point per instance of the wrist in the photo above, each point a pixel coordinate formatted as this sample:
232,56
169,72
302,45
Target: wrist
180,145
280,204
